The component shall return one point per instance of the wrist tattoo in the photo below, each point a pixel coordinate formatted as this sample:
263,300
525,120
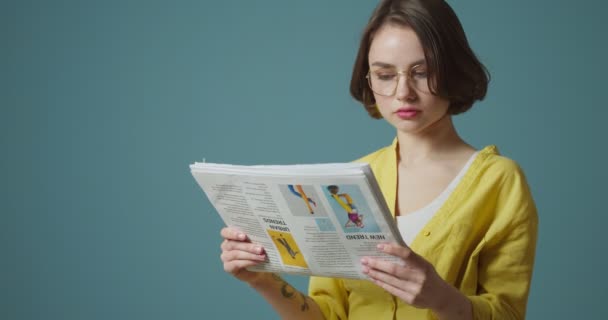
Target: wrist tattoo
289,292
304,306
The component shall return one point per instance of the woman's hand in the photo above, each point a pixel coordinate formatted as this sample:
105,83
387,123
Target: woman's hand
416,282
238,253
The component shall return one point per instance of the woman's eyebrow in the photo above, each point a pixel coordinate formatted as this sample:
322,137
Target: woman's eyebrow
382,65
388,65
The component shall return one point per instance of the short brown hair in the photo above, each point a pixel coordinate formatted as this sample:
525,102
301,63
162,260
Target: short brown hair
455,73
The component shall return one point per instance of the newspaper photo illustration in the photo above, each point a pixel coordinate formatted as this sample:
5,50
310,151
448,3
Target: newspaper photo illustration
303,200
350,207
302,195
288,249
346,202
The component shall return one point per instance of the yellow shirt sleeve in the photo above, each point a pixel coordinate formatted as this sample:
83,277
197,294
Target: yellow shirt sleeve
507,258
331,296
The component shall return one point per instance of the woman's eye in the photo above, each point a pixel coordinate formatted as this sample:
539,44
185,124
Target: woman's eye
385,76
419,74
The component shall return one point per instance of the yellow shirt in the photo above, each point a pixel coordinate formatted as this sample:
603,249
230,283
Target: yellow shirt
482,241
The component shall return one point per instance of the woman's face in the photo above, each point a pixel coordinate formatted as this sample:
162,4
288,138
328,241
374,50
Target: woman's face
396,56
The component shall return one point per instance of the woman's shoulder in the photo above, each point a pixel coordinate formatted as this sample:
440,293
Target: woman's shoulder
500,174
490,160
504,180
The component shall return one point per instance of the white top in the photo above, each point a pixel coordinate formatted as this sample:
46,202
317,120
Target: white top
411,224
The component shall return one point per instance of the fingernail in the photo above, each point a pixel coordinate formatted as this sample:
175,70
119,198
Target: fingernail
258,249
240,236
381,246
363,261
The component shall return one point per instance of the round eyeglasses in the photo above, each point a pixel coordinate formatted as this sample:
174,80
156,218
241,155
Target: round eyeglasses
384,81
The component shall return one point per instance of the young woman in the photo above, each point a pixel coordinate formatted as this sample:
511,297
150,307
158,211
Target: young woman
467,215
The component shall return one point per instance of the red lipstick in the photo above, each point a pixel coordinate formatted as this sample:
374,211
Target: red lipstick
407,113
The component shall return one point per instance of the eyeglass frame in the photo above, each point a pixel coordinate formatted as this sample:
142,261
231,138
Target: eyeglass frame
408,76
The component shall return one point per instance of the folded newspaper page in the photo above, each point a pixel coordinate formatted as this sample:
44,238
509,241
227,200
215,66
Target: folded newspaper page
311,219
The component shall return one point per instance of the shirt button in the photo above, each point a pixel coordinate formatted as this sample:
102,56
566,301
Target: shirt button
427,233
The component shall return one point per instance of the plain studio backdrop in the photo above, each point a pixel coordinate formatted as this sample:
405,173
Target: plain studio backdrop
104,104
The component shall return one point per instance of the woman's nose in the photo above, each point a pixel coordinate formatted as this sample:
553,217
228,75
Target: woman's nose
403,90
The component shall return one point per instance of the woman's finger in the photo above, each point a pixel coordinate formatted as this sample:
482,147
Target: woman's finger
229,245
391,268
404,252
389,271
236,266
231,233
231,255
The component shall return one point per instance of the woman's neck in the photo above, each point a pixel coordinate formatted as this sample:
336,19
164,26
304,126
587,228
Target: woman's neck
434,143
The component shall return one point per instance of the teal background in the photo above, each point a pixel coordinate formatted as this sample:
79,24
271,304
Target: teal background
104,104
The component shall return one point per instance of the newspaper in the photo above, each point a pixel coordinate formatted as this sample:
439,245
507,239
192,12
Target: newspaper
318,219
